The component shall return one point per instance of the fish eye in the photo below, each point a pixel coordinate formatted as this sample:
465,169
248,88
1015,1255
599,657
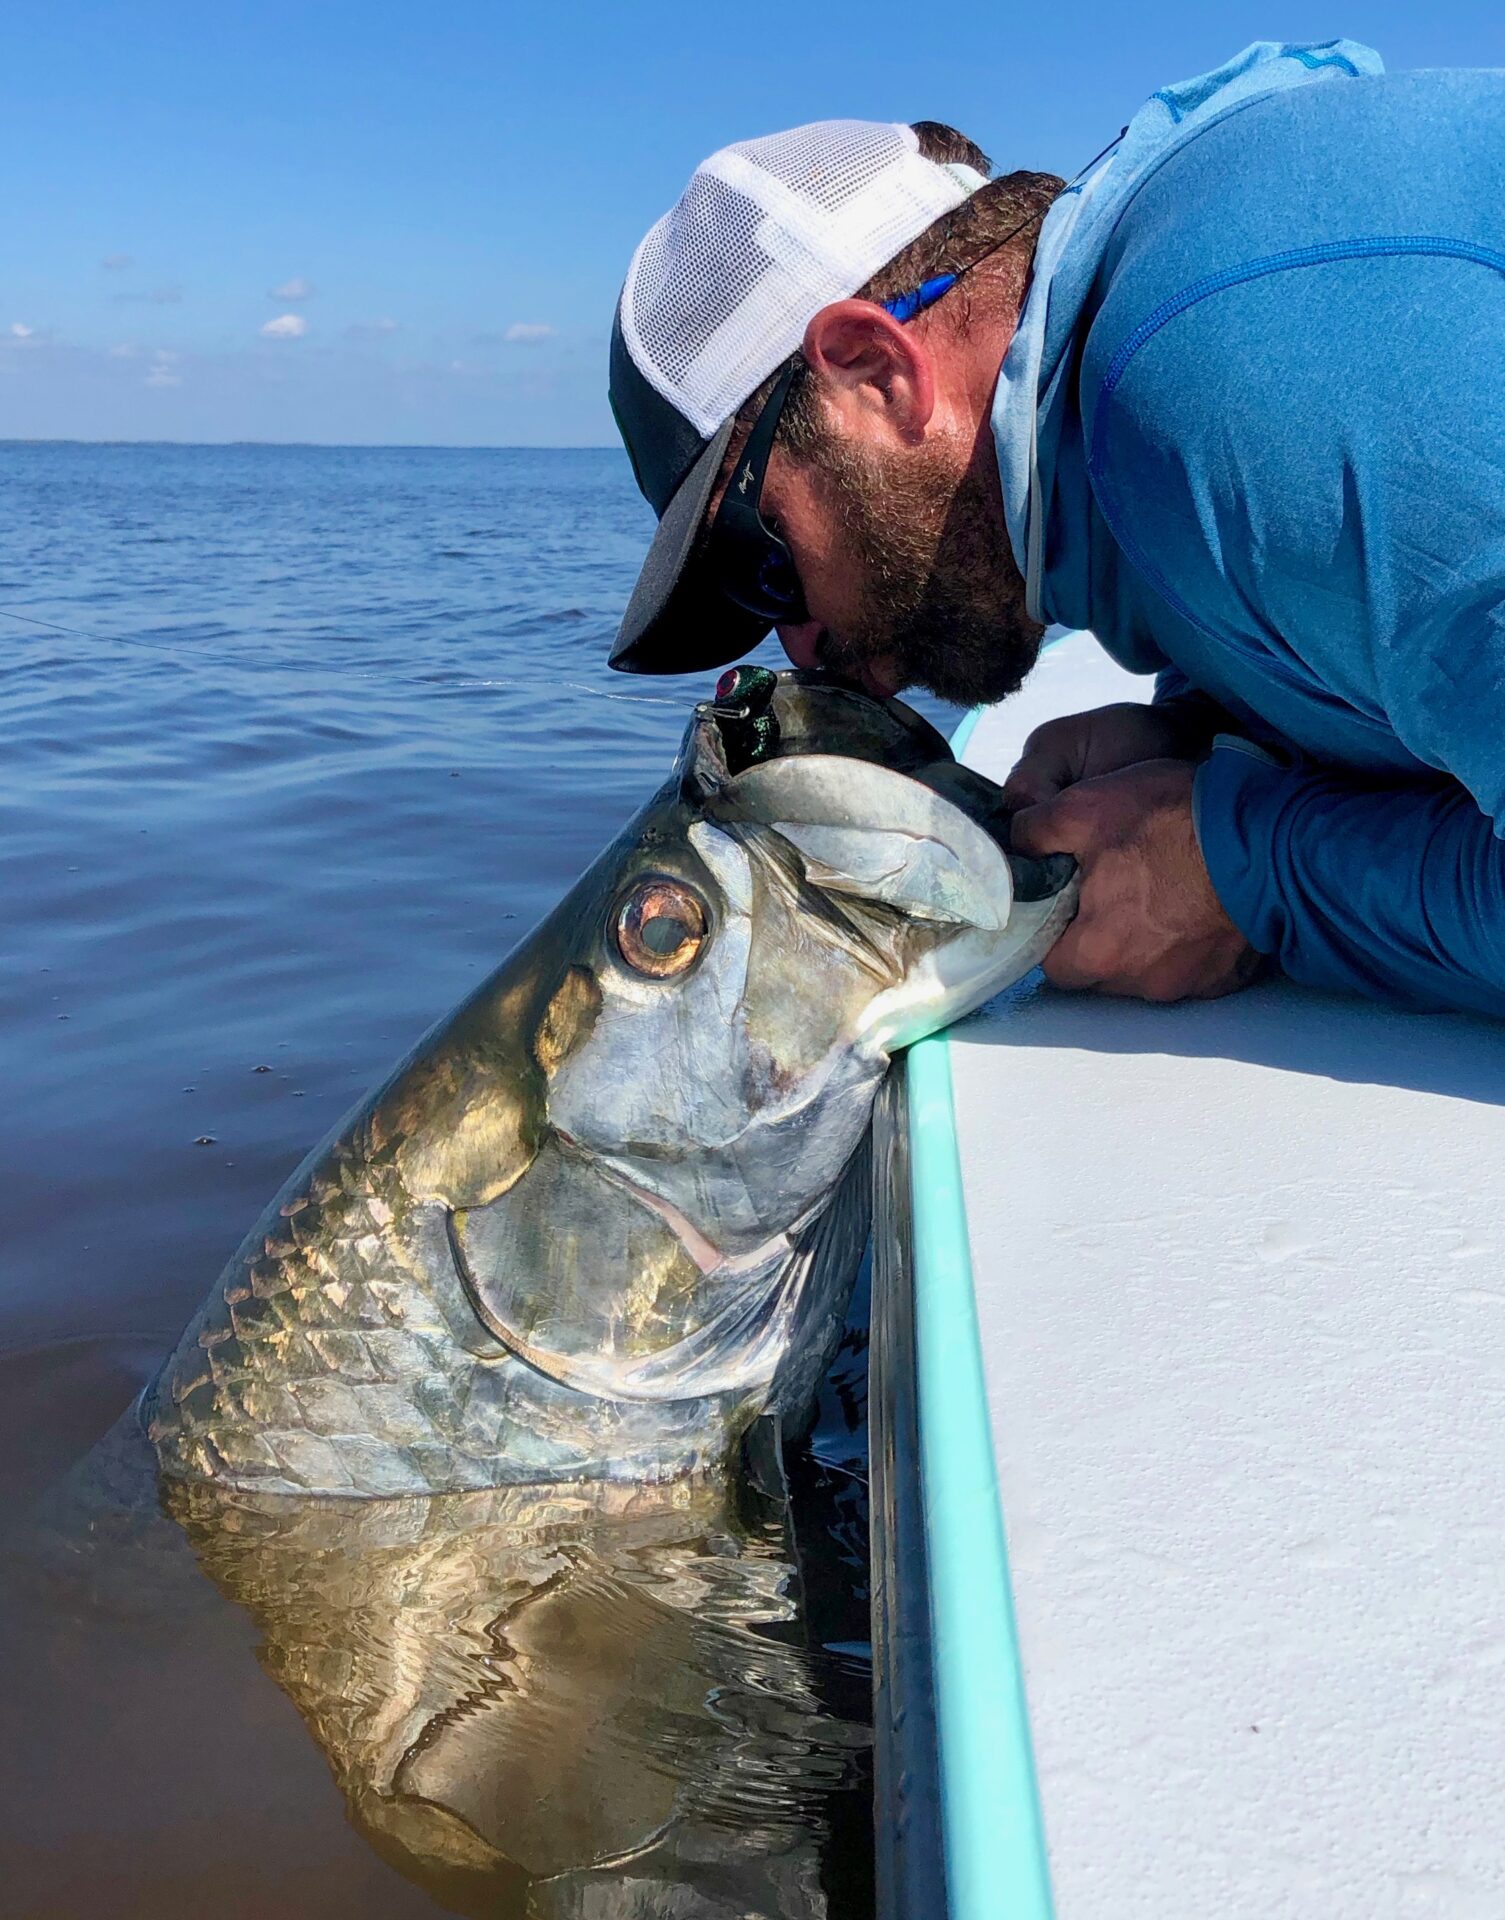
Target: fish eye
661,927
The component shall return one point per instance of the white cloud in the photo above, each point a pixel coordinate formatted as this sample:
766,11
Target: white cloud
295,289
20,331
527,330
125,351
117,262
162,377
371,329
287,326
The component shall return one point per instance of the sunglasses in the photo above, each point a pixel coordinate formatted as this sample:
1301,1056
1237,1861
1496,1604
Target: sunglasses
747,555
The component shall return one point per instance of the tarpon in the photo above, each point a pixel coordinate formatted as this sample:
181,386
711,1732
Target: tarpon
560,1702
584,1701
609,1210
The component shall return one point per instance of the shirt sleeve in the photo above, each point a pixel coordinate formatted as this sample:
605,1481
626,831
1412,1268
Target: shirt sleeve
1315,499
1290,413
1397,892
1200,715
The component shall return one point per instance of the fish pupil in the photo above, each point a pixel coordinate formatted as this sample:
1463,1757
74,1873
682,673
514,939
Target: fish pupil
664,934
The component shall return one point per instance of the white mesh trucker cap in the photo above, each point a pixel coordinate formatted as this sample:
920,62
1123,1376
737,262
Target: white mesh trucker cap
718,295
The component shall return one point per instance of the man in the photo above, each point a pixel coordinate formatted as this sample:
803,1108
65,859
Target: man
1235,401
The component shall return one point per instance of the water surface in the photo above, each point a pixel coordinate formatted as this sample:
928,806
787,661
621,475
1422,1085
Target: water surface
295,743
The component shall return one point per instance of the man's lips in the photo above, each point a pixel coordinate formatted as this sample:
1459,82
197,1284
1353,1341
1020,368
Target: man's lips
880,678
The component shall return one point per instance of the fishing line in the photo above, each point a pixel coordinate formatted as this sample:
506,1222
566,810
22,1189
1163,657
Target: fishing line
605,693
110,639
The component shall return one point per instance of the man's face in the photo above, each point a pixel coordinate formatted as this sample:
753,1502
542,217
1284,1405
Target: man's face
905,564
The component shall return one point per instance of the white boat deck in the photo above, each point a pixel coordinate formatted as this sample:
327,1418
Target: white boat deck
1242,1307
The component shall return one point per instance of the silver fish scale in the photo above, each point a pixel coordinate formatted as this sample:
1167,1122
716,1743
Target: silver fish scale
316,1343
327,1360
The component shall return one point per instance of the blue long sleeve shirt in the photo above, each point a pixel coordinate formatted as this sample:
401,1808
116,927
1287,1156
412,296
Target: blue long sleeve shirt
1252,434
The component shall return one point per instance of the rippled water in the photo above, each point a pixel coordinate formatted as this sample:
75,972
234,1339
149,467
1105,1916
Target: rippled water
293,743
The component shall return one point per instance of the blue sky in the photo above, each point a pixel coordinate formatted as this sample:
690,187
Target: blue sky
373,222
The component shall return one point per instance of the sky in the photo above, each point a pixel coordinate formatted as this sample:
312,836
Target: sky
402,224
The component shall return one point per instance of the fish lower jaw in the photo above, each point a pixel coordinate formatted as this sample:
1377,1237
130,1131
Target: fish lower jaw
712,1260
963,976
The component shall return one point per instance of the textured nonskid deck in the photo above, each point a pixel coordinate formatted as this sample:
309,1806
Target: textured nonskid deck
1238,1274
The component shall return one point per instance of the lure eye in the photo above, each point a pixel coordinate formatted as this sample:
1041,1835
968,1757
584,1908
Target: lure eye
661,927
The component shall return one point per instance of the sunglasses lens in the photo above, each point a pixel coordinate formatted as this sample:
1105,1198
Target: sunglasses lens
778,583
763,581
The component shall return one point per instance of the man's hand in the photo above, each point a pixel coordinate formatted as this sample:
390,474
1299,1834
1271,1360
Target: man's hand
1149,924
1080,746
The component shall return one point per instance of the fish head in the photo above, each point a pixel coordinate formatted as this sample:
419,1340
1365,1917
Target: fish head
713,1010
609,1211
776,930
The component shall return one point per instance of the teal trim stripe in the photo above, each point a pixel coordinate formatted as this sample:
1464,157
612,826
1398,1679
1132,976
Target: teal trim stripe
965,728
996,1866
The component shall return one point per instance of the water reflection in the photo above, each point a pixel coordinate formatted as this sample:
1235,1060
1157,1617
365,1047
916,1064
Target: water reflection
553,1704
550,1703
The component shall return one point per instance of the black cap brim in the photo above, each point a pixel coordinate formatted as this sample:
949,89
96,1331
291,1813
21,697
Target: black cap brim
677,620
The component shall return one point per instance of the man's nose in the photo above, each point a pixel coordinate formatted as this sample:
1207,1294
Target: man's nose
802,642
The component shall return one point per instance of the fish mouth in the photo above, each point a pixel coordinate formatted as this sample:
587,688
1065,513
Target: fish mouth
735,1348
713,1261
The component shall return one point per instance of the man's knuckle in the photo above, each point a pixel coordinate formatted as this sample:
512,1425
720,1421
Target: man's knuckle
1031,827
1075,813
1061,973
1025,786
1040,739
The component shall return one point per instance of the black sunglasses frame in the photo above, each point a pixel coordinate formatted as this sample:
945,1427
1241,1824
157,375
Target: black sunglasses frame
753,565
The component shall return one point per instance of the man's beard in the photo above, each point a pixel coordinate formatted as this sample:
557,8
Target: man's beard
937,597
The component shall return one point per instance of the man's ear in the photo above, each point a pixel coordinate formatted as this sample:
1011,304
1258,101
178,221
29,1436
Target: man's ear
866,831
868,364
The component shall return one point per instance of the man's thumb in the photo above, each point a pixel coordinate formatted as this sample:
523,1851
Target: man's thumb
1038,777
1043,829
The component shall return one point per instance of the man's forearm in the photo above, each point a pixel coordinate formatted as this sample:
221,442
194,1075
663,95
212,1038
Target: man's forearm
1393,892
